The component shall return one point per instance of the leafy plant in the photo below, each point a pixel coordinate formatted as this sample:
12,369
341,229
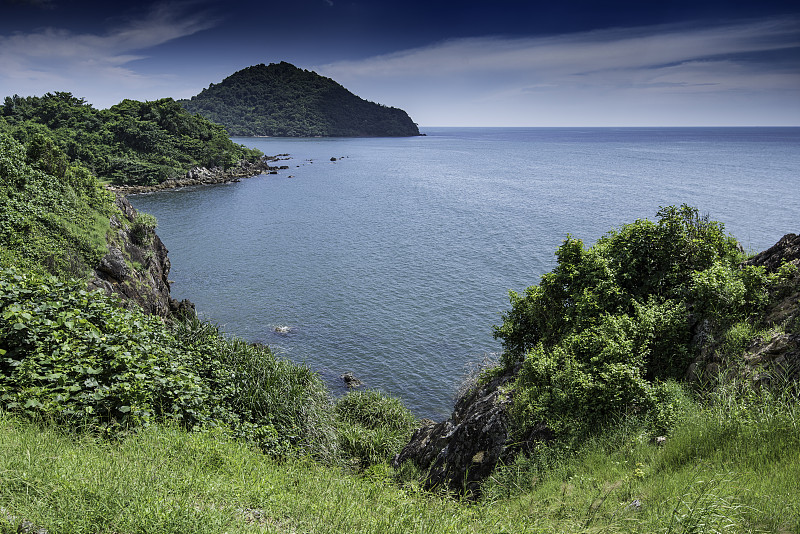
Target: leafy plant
50,222
143,228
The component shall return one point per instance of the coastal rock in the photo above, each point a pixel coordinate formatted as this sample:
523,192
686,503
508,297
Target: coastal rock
135,269
776,358
459,453
786,250
351,381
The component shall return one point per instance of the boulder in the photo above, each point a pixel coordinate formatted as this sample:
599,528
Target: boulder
786,250
351,381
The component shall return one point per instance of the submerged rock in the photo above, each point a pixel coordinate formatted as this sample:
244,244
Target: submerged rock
351,381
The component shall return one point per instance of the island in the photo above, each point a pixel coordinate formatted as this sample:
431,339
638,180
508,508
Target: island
281,100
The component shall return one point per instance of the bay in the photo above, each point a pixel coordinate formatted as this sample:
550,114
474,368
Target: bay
394,261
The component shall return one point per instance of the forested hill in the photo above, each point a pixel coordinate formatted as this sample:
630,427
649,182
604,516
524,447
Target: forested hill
284,101
131,143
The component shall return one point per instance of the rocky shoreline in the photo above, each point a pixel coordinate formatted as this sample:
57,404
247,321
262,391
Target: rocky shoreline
205,176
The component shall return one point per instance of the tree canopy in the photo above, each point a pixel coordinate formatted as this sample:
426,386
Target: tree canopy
131,143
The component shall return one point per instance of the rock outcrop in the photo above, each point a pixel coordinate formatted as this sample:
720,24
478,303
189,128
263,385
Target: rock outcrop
778,356
459,453
136,266
786,250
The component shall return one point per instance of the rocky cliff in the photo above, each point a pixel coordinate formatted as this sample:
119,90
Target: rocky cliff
459,453
136,266
779,354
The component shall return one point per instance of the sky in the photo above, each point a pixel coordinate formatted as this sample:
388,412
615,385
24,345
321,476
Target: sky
447,63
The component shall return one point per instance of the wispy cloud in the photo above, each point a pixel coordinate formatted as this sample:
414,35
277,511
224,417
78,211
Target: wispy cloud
592,67
63,60
594,55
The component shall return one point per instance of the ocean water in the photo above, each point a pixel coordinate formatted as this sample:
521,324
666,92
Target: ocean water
394,261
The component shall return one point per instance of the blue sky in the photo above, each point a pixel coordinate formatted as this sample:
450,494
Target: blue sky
447,63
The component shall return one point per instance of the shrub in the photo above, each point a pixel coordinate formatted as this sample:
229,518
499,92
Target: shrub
80,358
599,333
143,228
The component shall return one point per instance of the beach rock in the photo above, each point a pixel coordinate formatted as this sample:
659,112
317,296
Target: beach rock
205,176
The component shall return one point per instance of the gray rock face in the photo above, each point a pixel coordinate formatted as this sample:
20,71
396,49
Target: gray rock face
136,270
462,451
778,356
786,250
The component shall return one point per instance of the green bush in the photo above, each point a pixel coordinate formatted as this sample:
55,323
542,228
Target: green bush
49,223
143,228
80,358
597,336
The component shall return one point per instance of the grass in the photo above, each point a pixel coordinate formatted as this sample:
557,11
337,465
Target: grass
731,465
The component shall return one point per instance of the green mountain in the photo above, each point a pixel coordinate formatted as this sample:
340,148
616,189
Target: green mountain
284,101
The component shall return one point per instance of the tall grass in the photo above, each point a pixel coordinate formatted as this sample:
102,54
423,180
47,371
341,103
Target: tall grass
731,464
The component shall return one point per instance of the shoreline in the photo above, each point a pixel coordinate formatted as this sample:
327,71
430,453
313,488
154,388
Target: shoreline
205,176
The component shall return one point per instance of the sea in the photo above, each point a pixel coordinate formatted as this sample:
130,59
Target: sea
392,258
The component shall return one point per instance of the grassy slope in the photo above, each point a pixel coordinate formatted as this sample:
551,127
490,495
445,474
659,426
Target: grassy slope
715,474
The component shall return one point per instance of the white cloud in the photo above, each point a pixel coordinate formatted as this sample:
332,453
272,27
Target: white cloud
546,79
92,65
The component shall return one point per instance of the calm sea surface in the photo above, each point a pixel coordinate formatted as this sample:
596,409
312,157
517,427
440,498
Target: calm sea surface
394,261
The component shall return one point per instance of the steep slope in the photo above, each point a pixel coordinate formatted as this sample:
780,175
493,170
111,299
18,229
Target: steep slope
284,101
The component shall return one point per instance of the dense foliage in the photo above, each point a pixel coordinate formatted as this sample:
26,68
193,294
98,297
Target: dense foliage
284,101
81,359
84,360
54,215
605,331
131,143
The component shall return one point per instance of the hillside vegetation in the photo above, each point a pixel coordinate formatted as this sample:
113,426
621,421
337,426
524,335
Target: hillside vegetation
635,310
282,100
86,360
131,143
